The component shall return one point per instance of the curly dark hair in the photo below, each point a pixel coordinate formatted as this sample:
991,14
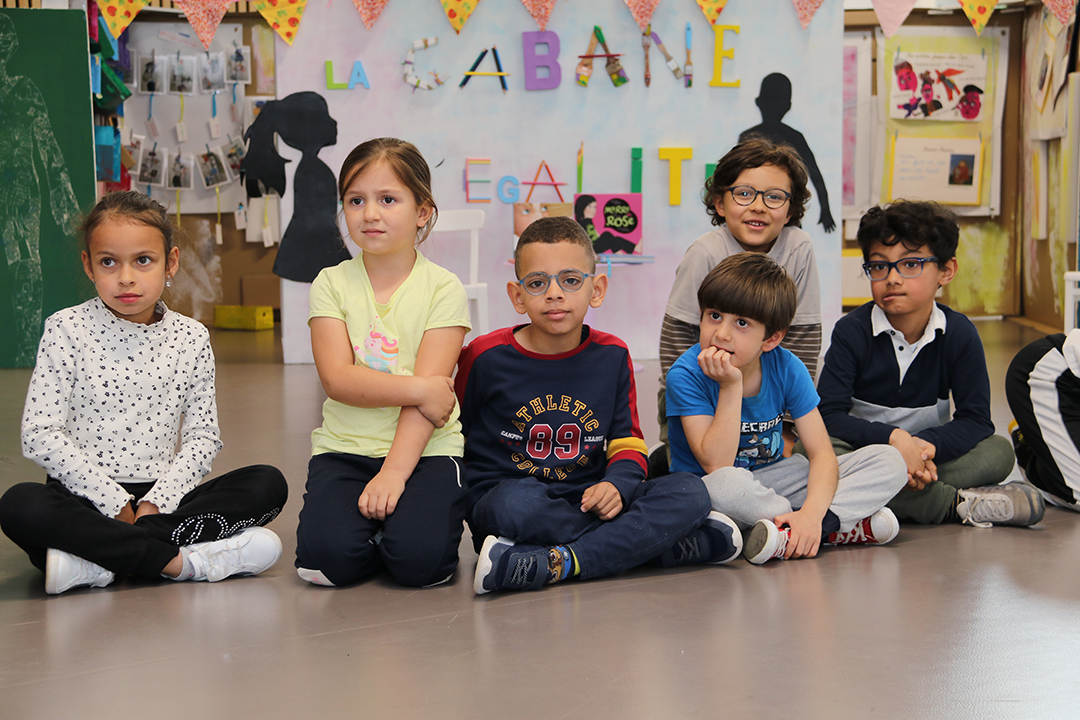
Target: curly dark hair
914,223
754,152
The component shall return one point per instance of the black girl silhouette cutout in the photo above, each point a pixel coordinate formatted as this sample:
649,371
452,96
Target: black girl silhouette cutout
774,101
312,241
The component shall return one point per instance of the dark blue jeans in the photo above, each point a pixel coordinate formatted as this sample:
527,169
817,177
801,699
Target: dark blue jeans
659,514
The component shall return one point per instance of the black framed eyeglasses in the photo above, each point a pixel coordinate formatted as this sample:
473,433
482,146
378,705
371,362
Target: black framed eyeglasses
537,283
774,198
905,267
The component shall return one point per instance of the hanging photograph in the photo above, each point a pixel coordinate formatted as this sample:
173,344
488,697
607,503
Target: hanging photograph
238,65
212,72
181,175
152,71
135,149
213,168
234,152
182,74
946,170
152,167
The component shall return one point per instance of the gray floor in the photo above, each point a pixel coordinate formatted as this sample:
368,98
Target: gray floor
944,622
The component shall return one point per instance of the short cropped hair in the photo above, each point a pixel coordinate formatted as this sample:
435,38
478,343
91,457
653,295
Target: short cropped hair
750,285
551,230
913,223
755,152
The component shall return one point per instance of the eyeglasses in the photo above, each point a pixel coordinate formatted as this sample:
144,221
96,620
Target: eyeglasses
774,198
537,283
907,267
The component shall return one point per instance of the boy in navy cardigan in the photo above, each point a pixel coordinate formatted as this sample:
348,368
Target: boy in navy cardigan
554,457
893,363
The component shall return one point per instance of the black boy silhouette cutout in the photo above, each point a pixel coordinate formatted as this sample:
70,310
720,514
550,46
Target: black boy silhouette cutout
774,101
312,241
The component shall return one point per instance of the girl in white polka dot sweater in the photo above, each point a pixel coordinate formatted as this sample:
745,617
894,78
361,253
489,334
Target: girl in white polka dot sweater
120,383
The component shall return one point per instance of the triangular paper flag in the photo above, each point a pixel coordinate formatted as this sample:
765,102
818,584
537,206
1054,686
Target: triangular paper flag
806,10
118,14
369,10
978,12
1063,9
458,11
540,10
891,14
204,16
712,9
283,15
642,11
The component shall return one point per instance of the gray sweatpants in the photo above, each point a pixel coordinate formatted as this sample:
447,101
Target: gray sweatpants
869,478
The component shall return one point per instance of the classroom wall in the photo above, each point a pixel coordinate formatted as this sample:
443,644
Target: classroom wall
518,129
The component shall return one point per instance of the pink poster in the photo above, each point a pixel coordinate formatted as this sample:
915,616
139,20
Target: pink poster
613,222
851,98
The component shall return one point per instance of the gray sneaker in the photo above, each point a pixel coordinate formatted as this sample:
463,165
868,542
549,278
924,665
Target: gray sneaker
1017,503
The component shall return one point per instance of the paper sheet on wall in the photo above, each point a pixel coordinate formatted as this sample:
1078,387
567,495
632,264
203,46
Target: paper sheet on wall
938,86
946,170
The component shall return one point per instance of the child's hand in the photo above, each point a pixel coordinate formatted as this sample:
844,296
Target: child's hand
918,474
927,454
805,534
603,499
380,497
146,508
716,364
439,399
126,514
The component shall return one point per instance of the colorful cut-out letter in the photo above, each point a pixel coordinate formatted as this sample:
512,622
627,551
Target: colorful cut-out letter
534,61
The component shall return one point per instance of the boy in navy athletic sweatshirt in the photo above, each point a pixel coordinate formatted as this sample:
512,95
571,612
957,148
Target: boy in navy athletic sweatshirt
554,457
893,363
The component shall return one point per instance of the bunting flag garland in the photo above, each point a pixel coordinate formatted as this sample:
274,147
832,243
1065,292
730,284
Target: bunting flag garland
369,10
978,12
712,9
540,10
118,14
642,11
458,11
204,16
283,16
1063,9
806,10
891,14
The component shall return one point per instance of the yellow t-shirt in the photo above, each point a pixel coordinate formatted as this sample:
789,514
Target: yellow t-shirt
386,338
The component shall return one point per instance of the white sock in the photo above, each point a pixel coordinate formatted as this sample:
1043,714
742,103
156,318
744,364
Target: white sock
187,571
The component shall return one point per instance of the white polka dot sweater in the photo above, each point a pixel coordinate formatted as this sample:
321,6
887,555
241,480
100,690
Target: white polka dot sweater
109,398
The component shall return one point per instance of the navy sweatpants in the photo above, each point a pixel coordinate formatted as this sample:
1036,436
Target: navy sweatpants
660,513
39,516
418,542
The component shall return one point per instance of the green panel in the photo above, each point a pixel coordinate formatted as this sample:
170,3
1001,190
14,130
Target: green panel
46,171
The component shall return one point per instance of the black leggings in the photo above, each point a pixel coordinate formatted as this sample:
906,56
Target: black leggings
39,516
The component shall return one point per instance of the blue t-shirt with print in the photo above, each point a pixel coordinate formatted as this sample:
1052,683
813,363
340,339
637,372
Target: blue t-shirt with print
785,386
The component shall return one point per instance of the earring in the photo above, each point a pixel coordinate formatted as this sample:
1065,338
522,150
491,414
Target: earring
168,282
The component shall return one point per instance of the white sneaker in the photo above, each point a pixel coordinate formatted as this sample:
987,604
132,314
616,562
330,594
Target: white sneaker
64,571
1018,503
247,553
315,577
765,541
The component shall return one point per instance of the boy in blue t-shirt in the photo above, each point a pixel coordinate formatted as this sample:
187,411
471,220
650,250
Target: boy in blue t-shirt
554,457
726,399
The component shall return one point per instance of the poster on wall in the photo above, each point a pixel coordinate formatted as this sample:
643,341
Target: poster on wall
946,170
937,86
613,222
47,151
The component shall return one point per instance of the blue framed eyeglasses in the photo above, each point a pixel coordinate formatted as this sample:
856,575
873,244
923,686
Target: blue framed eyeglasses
537,283
905,267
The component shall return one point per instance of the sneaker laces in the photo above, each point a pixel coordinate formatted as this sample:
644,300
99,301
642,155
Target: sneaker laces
857,534
781,546
90,573
984,509
520,577
689,549
224,562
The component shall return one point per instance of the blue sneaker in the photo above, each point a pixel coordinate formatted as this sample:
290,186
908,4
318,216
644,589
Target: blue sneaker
506,566
716,541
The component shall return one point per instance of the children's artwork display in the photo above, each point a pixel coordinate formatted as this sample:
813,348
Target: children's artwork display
181,175
182,70
151,71
525,214
213,167
613,222
937,86
234,154
238,65
47,155
152,167
946,170
212,72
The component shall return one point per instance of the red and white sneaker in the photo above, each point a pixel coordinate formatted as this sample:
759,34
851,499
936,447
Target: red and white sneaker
878,529
765,541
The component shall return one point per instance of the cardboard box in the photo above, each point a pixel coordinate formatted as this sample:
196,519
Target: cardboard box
244,317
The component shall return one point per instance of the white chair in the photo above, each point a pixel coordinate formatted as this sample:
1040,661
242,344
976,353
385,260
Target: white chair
470,221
